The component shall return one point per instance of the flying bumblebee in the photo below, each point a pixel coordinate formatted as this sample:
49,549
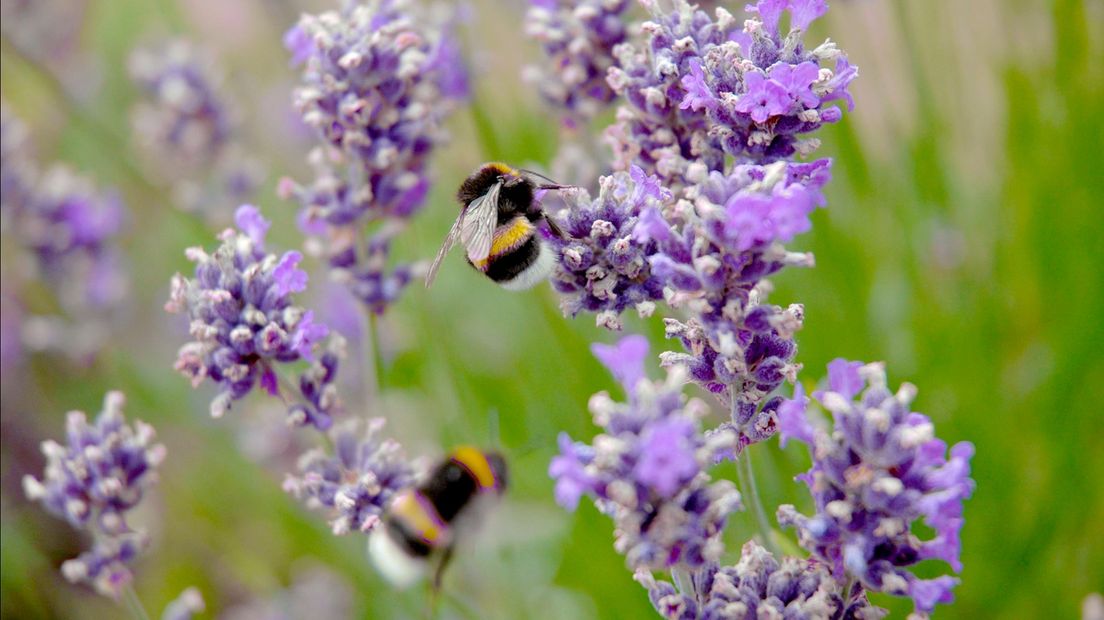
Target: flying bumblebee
420,524
498,226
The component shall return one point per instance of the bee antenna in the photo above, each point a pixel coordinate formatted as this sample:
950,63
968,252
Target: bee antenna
543,178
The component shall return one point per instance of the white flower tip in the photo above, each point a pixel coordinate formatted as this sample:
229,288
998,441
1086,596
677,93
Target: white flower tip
32,488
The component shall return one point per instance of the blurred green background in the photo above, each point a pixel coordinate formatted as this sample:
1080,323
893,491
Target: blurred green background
962,244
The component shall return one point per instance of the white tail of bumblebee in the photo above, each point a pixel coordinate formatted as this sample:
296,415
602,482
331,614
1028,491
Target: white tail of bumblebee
396,565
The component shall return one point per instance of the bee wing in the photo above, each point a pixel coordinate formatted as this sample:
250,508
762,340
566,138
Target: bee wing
450,240
477,231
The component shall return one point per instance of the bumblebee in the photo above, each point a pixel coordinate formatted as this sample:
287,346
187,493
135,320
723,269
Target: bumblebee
420,524
497,226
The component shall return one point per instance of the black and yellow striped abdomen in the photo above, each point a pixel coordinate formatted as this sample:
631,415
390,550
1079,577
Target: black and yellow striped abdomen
419,519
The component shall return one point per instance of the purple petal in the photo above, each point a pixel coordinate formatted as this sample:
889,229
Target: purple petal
792,421
287,276
249,220
843,377
625,360
805,12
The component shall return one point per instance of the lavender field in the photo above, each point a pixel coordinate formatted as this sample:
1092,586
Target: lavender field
808,322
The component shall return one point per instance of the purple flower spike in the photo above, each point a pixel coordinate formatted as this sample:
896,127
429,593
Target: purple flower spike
379,79
603,262
93,482
700,92
647,472
355,483
625,360
880,471
579,38
243,319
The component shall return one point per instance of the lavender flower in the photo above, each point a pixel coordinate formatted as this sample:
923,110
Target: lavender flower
69,227
357,481
185,120
93,482
602,268
188,127
700,89
321,401
646,471
243,319
881,470
578,38
378,81
713,252
332,211
758,586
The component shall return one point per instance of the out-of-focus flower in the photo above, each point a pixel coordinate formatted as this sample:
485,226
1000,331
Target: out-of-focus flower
92,482
315,592
602,267
243,319
185,606
878,472
188,129
44,29
578,39
185,120
647,473
357,481
758,586
69,227
379,78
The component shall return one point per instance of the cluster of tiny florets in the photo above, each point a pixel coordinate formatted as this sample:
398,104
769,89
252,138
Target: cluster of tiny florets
602,267
356,482
68,228
879,471
701,89
647,469
93,481
243,319
379,78
578,39
188,128
758,586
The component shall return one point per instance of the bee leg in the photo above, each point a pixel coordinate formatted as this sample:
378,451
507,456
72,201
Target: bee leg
439,574
555,228
551,186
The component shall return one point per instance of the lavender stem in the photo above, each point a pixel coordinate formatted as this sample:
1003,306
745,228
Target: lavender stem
134,604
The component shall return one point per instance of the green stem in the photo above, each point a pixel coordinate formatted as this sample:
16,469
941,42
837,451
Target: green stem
373,363
684,581
134,604
746,475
